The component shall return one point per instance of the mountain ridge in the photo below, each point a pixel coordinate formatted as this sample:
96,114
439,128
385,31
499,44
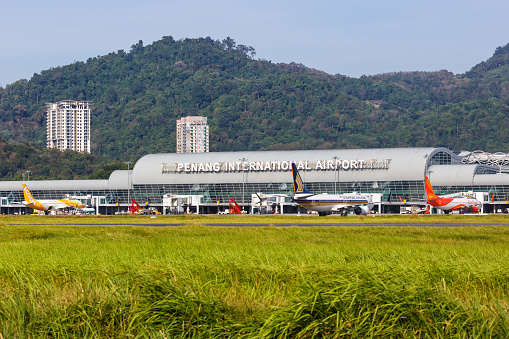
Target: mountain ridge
258,105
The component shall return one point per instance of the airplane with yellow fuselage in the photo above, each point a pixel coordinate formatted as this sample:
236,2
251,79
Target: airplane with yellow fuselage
47,205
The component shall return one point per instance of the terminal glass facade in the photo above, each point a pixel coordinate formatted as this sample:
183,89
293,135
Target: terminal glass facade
440,158
151,183
213,193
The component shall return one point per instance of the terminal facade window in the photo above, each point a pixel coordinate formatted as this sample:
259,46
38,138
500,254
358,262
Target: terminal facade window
440,158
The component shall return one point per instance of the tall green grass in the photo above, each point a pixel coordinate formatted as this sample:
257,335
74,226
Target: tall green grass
251,219
263,282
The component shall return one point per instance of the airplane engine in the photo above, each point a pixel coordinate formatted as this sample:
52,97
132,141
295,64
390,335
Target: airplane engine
474,209
361,210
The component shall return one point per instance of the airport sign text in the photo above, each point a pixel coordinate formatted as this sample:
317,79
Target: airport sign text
263,166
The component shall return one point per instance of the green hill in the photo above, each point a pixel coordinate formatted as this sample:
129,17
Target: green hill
27,161
258,105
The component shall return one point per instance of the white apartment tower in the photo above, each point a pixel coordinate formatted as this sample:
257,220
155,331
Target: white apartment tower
69,125
192,135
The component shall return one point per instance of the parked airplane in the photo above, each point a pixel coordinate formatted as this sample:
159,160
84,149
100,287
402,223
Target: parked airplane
451,202
328,203
260,200
48,205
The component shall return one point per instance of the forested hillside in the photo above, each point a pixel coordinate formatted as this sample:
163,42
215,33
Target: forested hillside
27,161
258,105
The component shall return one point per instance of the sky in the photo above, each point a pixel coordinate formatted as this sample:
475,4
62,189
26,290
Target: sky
348,37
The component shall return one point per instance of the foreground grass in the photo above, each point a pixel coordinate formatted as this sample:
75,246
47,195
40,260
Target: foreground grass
263,282
251,219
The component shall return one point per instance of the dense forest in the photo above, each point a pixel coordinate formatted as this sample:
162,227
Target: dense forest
258,105
24,161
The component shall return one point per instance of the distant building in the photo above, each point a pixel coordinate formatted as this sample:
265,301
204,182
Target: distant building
192,135
69,125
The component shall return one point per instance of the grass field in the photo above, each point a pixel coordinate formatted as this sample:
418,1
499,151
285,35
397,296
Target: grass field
251,219
188,281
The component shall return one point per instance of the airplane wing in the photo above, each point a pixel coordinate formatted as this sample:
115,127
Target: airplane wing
359,209
463,208
340,208
302,196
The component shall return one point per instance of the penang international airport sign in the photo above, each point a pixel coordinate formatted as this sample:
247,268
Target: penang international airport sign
274,166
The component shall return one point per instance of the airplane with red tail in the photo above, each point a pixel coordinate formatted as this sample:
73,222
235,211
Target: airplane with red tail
451,202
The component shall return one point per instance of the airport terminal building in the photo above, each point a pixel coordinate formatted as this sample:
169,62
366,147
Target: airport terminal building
204,182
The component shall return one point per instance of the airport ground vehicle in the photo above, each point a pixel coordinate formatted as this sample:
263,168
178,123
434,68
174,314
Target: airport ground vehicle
234,208
137,209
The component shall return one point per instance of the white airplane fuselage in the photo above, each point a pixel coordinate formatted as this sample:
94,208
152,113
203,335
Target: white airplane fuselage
456,204
45,205
333,202
449,203
328,203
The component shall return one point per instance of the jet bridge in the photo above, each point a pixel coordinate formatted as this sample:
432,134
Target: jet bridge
272,203
181,204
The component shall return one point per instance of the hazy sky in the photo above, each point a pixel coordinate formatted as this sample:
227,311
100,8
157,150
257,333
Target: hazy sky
351,37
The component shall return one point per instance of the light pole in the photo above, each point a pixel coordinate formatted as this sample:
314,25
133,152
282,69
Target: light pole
26,174
243,180
336,158
128,183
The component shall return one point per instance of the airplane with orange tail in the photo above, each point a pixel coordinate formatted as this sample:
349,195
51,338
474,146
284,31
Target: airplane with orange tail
48,205
451,202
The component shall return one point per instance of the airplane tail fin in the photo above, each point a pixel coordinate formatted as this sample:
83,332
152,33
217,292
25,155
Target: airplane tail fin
298,185
28,195
260,202
430,194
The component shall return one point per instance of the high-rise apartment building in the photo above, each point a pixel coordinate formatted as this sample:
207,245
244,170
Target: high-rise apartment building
69,125
192,135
